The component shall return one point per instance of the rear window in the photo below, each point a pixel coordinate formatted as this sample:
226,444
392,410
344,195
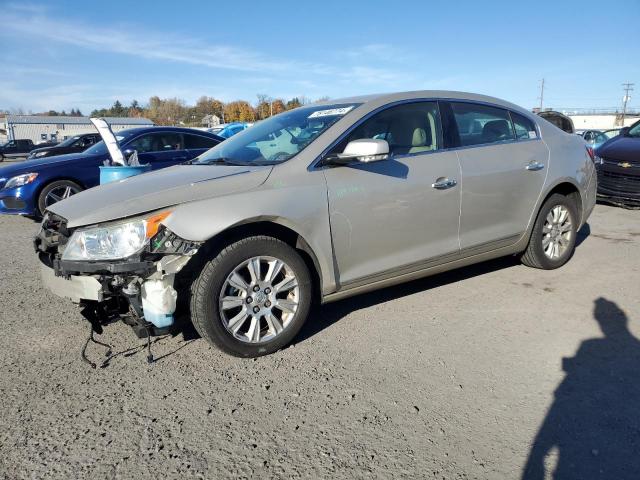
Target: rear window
482,124
525,128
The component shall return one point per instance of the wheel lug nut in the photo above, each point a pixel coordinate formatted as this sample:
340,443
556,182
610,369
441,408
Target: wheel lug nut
256,288
267,303
256,309
249,299
267,291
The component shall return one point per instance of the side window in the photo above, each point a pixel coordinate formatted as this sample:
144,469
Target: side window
525,129
157,142
196,141
409,128
482,124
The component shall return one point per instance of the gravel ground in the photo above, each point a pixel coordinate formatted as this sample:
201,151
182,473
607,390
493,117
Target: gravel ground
446,377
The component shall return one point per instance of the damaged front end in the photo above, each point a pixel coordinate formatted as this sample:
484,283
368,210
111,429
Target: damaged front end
121,270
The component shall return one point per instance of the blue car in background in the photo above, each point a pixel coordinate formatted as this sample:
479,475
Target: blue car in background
231,129
29,187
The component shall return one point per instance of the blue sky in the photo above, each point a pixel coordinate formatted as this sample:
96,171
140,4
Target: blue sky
63,55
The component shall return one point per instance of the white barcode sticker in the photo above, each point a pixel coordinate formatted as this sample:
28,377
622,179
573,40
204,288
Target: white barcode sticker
331,112
533,135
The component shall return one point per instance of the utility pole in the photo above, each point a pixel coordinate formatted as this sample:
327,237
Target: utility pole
628,87
541,93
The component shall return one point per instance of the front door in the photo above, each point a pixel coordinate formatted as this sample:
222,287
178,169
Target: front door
392,216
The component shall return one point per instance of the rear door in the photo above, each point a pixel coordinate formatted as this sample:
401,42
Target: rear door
160,149
391,217
504,164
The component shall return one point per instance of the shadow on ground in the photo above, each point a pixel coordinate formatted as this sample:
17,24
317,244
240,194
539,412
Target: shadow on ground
327,315
592,429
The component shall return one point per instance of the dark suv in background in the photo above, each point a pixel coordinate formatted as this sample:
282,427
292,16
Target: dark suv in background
619,168
77,143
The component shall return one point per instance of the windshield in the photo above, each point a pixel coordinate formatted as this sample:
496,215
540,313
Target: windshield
68,142
634,131
276,139
100,148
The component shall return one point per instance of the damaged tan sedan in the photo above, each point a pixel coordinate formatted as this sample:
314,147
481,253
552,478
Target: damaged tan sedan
315,205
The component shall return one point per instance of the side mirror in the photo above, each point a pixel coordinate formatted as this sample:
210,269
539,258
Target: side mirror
624,131
365,150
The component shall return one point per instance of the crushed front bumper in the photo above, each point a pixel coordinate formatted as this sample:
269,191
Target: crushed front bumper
114,289
74,287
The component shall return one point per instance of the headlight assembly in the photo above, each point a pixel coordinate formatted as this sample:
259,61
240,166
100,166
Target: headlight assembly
20,180
113,241
40,154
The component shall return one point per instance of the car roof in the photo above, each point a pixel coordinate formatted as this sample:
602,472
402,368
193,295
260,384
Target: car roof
442,94
137,131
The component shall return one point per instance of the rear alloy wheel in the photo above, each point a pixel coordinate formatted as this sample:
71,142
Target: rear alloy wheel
55,192
553,239
252,298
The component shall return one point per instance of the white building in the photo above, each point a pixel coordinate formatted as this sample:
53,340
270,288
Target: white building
600,121
209,121
41,128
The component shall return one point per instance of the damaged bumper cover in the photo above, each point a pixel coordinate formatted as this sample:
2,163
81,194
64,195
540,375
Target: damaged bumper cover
117,284
75,287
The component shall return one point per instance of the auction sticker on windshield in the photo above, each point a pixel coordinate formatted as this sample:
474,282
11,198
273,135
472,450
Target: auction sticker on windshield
331,112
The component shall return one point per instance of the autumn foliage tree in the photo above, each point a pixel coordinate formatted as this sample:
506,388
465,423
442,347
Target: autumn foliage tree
174,111
239,111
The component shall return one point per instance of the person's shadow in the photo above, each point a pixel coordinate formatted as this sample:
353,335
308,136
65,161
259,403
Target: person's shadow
594,422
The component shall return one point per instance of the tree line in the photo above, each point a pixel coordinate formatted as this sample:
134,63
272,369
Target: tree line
174,111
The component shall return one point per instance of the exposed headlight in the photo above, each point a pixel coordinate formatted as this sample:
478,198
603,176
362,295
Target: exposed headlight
40,154
113,241
20,180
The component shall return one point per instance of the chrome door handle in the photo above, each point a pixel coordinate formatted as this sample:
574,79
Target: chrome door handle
444,184
535,166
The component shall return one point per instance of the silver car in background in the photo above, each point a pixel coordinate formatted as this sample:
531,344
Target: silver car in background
318,204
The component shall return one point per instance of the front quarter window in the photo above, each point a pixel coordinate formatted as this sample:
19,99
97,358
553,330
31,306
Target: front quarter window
278,138
634,131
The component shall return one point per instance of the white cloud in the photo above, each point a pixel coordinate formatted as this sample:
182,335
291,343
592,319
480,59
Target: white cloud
370,67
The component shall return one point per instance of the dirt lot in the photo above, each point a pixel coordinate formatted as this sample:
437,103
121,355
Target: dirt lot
447,377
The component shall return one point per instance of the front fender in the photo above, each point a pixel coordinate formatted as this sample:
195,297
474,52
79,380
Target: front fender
300,207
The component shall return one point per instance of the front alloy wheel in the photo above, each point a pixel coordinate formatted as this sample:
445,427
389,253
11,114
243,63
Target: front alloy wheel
55,192
252,298
259,299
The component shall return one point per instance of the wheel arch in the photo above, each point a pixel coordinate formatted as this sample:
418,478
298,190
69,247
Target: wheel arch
50,180
568,188
272,227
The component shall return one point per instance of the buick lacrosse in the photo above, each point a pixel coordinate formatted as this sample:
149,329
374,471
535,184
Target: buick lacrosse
317,204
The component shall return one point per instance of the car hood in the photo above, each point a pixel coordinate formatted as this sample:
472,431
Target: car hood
154,190
35,164
621,148
45,149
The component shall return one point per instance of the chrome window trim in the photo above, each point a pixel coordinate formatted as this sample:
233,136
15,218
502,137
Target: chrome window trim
314,164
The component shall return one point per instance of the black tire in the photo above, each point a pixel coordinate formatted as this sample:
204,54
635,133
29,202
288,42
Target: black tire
205,292
42,205
534,256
